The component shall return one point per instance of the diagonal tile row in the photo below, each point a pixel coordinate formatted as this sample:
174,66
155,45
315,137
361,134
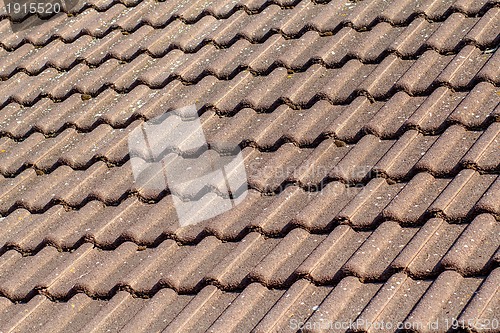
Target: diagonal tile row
338,85
398,159
389,119
266,172
420,305
331,50
458,199
346,122
423,252
267,169
329,17
190,11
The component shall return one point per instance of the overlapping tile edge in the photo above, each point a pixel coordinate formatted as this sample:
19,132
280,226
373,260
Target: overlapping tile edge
373,256
27,61
440,70
214,309
149,16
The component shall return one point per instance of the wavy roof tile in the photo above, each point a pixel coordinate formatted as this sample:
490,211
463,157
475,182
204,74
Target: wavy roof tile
369,132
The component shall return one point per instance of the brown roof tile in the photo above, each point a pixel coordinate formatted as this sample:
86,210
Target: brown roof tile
369,134
400,299
372,256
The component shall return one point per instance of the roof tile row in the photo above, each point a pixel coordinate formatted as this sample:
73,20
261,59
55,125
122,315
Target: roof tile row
421,305
428,114
332,50
338,85
321,17
469,193
394,158
411,124
267,172
274,262
186,10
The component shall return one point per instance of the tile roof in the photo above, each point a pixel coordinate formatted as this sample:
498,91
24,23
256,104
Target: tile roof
370,139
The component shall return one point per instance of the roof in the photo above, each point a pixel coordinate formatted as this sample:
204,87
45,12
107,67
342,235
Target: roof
369,134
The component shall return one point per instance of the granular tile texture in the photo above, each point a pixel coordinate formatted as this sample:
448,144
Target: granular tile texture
370,136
